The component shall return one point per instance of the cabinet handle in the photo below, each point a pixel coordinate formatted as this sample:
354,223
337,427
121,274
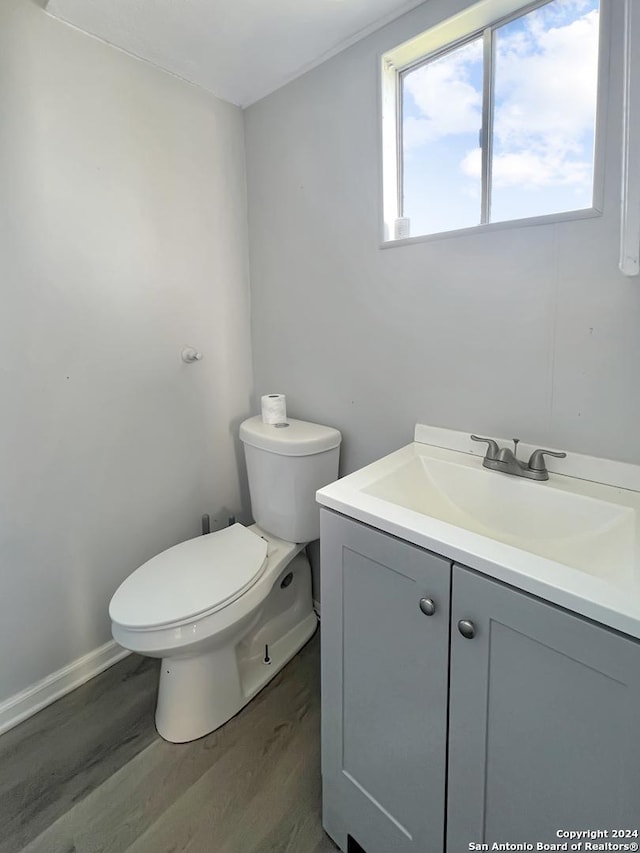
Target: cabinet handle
467,629
428,606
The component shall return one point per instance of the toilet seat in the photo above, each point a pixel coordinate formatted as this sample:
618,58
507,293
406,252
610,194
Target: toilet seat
189,580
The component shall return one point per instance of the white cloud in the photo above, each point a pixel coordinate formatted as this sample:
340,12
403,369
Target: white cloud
545,99
446,97
529,169
546,73
471,164
548,81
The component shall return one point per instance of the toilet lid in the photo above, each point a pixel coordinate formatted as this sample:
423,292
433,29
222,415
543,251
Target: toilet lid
198,576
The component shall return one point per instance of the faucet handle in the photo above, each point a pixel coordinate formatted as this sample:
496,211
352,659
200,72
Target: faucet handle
536,460
492,448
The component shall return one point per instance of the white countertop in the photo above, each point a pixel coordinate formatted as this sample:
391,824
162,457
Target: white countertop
608,593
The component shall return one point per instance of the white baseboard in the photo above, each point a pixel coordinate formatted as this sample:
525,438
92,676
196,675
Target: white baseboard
28,702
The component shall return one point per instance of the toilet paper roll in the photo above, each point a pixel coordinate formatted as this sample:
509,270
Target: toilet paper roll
274,409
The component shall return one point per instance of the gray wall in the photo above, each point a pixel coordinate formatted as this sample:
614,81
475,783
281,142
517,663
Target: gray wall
528,331
122,239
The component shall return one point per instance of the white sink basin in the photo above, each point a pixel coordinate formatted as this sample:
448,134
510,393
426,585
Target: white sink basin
573,540
586,533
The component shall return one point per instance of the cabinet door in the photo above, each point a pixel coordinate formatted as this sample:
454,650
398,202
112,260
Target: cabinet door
544,729
384,689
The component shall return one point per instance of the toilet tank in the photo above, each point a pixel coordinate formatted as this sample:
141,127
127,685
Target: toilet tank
286,465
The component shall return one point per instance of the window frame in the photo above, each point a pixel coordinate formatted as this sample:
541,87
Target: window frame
479,20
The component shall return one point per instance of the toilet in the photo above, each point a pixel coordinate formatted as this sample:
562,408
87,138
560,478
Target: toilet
226,611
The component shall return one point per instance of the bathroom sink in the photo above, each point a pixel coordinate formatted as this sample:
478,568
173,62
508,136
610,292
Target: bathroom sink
547,519
573,539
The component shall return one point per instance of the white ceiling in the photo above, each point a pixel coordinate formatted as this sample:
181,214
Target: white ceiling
238,49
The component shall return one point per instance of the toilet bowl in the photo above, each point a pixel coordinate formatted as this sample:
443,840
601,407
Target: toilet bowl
218,650
226,611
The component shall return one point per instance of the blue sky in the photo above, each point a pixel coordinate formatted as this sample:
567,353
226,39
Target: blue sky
545,84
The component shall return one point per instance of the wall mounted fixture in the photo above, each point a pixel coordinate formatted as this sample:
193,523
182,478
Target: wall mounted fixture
189,355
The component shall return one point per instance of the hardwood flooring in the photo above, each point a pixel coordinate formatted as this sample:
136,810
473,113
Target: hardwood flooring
89,774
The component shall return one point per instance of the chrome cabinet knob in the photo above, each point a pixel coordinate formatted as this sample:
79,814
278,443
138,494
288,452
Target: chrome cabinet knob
467,629
428,606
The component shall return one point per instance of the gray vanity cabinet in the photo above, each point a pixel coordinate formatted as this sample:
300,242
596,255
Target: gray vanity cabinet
384,689
520,722
544,720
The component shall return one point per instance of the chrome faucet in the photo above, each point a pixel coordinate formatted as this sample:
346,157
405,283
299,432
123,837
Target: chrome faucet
506,460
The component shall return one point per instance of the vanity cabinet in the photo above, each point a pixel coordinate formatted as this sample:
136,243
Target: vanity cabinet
525,724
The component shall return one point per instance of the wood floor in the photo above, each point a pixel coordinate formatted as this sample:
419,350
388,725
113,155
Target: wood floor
90,773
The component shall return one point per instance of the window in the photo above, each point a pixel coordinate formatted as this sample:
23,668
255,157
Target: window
491,117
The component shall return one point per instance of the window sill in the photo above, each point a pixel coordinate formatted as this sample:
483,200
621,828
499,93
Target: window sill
548,219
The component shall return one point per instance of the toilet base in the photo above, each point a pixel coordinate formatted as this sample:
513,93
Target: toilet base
199,693
191,705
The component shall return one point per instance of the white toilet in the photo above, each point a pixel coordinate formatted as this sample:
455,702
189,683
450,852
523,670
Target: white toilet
226,611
